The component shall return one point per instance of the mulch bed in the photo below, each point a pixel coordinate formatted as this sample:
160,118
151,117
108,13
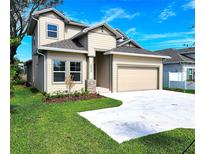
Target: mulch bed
73,98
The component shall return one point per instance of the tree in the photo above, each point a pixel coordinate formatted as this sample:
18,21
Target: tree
20,16
69,82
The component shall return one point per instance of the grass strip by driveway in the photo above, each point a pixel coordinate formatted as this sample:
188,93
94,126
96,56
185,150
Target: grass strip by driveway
37,127
189,91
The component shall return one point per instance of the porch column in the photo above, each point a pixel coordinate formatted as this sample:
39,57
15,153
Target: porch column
90,83
91,68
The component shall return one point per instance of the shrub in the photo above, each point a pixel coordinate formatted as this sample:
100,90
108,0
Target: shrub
15,75
84,92
59,94
76,93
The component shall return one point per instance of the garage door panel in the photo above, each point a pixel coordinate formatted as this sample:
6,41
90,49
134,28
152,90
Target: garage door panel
137,78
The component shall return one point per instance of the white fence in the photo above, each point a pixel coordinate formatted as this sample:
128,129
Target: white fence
177,80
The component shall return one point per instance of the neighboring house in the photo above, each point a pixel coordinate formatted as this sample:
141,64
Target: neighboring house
28,71
96,56
180,67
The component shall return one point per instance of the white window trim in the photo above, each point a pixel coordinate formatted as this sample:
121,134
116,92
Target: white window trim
58,71
67,71
48,37
77,82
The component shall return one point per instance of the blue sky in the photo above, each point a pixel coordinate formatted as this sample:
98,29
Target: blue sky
154,24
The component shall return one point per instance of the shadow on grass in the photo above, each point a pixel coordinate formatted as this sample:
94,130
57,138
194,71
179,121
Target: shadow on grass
13,108
168,140
34,90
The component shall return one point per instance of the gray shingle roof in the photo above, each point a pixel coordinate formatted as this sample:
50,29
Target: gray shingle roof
66,44
175,55
133,50
186,50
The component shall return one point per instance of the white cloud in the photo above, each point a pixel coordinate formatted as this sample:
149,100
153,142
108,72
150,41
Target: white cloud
108,16
120,13
164,35
174,43
115,13
178,41
189,5
131,31
166,13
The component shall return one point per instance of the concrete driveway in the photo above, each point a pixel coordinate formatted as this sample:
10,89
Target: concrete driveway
143,113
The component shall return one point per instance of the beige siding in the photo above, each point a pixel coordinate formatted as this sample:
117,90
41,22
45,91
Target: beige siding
103,70
70,31
100,40
38,72
50,18
52,87
119,60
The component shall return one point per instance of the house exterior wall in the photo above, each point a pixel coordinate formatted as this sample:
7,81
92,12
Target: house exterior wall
175,67
71,30
103,70
100,40
38,72
51,86
28,72
119,60
180,68
50,18
35,38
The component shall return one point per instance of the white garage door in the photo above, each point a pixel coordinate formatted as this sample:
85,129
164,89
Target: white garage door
137,78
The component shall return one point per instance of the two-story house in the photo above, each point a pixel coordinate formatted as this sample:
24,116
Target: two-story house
96,56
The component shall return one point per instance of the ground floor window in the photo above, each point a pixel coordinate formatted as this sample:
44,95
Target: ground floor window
190,74
59,71
75,71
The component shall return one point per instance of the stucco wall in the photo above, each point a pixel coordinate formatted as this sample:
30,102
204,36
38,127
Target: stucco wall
52,87
100,40
135,61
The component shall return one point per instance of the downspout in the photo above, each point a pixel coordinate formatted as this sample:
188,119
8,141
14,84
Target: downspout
44,59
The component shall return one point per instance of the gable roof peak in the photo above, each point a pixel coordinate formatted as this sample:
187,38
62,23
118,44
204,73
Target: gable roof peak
86,30
37,13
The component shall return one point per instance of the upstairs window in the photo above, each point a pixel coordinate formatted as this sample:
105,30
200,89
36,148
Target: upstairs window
52,31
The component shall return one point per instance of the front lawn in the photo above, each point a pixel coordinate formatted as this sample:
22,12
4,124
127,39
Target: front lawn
41,128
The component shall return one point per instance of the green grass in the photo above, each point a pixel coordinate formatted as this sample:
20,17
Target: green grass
190,91
40,128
